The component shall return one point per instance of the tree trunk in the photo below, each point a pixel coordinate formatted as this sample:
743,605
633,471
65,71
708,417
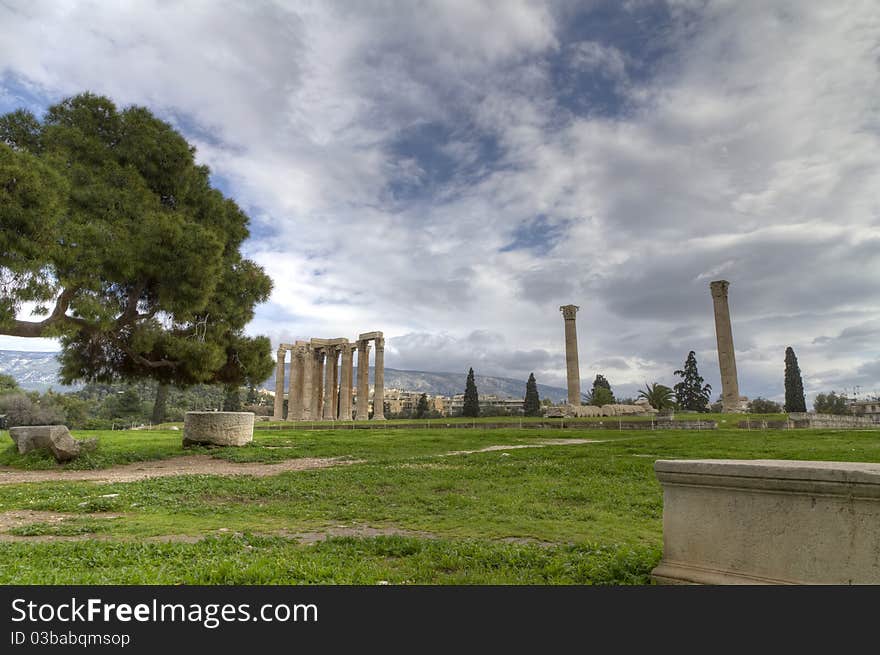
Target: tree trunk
159,405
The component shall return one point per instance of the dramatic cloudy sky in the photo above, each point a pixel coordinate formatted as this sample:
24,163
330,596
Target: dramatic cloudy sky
452,172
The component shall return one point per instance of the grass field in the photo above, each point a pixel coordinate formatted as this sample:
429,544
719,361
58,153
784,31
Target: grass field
406,512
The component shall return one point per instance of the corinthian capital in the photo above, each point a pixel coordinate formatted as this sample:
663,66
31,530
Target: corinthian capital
719,288
569,311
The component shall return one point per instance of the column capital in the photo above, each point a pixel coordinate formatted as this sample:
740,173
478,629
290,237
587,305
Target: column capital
569,311
719,288
380,343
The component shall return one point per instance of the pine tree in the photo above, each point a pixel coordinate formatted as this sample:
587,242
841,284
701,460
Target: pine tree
471,405
422,406
794,385
601,393
532,402
691,393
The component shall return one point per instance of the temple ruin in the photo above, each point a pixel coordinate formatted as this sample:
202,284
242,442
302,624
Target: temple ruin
321,388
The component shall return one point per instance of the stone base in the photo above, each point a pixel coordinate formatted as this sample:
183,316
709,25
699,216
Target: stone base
218,428
769,522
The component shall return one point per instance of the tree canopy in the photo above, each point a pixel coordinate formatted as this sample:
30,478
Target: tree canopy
691,393
532,401
112,230
659,396
763,406
471,406
831,403
601,393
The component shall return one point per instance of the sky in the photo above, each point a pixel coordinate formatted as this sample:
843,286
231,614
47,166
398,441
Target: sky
451,172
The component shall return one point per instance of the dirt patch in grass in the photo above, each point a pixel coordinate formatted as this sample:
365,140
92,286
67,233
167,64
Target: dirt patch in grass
352,531
187,465
17,519
540,444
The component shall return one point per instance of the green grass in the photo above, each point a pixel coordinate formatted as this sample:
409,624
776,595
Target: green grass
578,513
255,560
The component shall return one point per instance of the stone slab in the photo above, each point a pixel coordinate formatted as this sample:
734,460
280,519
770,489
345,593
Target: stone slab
769,522
218,428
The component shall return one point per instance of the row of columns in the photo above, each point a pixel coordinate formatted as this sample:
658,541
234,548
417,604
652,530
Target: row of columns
321,386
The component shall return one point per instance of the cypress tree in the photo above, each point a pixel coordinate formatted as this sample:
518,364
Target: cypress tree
794,385
532,402
422,406
471,405
691,393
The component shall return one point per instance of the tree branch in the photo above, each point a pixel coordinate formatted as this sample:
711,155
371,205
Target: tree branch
134,295
58,315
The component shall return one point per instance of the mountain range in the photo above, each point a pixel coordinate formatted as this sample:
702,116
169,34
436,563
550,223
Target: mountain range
38,371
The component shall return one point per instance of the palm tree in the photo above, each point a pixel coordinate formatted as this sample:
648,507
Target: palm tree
659,396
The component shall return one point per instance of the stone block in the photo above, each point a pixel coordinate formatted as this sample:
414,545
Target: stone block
55,438
769,522
218,428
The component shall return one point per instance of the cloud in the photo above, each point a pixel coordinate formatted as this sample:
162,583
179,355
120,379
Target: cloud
452,172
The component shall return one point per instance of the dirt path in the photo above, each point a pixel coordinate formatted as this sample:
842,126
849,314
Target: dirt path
207,465
186,465
540,444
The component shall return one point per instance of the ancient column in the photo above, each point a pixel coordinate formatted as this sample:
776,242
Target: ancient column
318,383
726,358
295,397
278,410
571,354
330,393
363,391
337,354
379,381
345,382
308,376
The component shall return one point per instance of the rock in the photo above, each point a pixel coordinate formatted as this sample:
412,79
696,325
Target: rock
55,438
218,428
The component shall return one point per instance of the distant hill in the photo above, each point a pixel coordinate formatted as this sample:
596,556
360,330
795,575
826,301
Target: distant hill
450,384
33,371
38,371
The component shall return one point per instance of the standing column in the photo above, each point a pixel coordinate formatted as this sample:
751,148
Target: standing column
345,382
295,397
379,382
308,376
318,384
334,376
726,358
571,354
278,409
330,370
363,392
